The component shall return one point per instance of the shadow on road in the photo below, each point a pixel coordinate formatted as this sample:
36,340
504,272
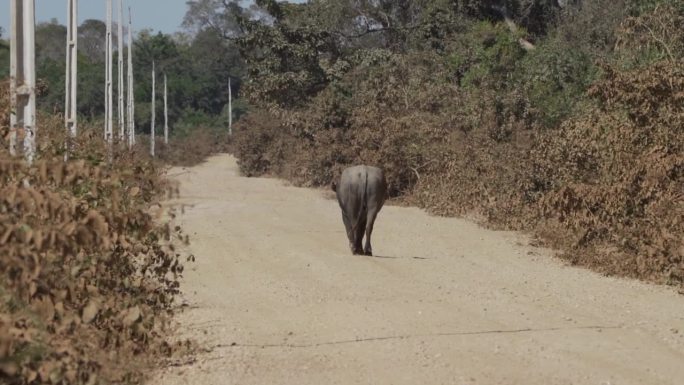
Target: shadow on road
388,257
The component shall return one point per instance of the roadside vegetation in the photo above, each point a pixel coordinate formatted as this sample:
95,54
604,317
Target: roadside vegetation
88,271
563,121
89,262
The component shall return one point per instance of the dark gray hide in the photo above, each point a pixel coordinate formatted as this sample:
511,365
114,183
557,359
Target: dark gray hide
361,193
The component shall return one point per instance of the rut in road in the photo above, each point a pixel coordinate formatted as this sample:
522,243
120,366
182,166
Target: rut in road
276,298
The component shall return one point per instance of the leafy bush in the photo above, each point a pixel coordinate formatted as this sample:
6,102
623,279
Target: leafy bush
191,119
261,143
554,78
192,149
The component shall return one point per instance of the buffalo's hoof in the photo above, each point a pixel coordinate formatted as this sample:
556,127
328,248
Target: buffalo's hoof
368,253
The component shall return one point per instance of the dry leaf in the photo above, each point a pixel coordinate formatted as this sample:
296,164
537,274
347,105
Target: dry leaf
45,308
133,315
90,311
10,369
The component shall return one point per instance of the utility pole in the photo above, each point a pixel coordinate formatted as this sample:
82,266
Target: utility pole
23,76
230,108
131,96
70,118
166,114
108,78
120,93
154,101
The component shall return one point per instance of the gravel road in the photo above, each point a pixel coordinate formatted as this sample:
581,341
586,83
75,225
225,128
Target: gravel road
276,298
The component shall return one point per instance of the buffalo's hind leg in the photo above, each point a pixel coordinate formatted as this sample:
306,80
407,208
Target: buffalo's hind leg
360,228
372,214
350,234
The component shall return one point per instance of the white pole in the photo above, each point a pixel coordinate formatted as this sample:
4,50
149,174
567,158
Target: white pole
152,139
230,108
166,114
70,118
131,96
16,39
120,93
23,76
30,79
108,81
106,102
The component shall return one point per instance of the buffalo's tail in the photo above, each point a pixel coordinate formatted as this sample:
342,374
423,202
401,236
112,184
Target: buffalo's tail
363,194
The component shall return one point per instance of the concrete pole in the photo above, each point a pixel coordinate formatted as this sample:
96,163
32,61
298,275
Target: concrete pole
23,76
154,101
30,79
131,96
108,78
16,66
230,108
120,93
70,118
166,114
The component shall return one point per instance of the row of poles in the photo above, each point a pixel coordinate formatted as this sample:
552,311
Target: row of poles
126,111
23,80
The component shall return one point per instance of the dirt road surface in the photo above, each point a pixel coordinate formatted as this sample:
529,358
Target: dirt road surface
276,298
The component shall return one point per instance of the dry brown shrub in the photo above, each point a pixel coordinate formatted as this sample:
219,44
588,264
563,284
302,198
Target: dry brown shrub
262,144
4,110
87,274
654,34
616,176
384,124
607,187
476,175
193,149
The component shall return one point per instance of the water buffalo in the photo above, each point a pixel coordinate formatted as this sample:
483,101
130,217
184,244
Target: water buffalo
361,193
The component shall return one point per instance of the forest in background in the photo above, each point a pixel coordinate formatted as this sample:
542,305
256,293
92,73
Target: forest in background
198,66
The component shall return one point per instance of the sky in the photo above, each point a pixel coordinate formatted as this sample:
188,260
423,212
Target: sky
159,15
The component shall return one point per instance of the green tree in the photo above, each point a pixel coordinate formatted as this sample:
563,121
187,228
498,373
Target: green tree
300,49
284,59
91,40
91,91
220,16
198,70
50,41
212,61
50,64
163,51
